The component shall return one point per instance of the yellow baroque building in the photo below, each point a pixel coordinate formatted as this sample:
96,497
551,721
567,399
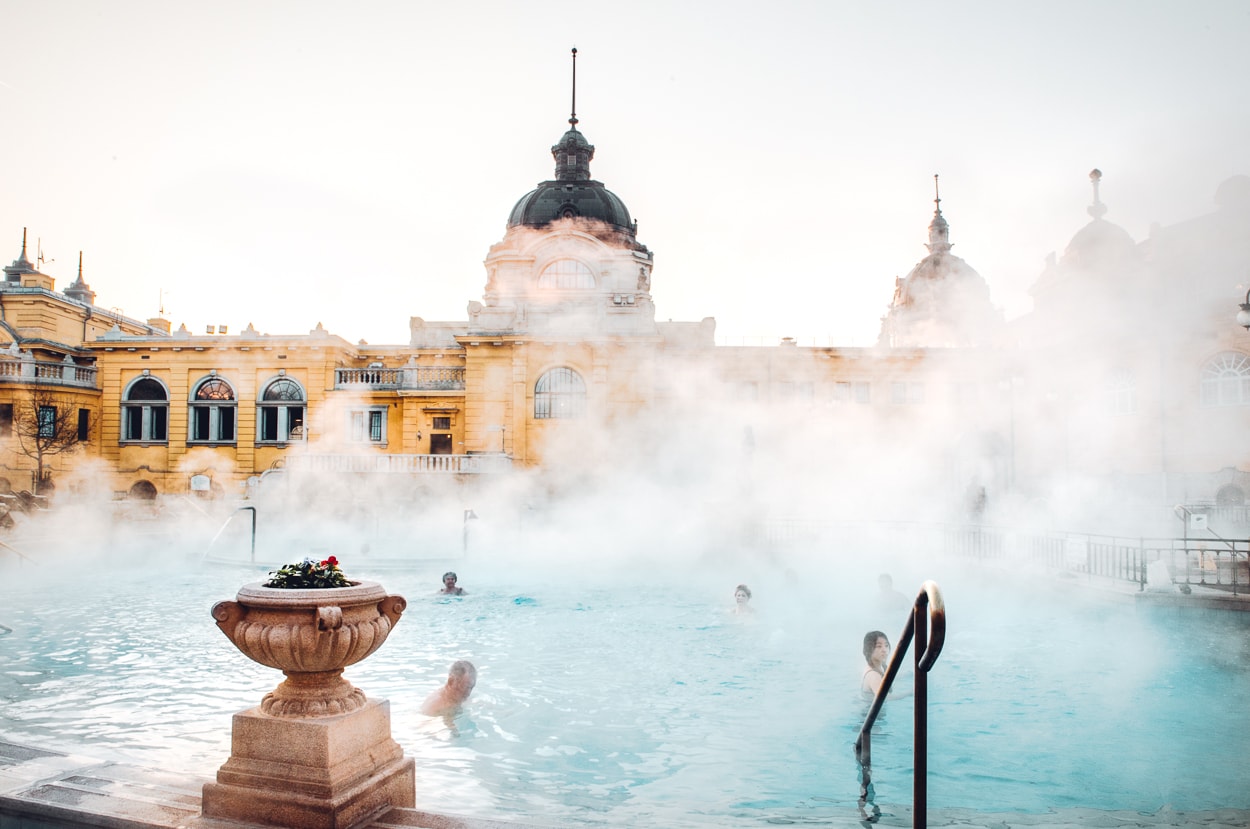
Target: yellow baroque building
1128,383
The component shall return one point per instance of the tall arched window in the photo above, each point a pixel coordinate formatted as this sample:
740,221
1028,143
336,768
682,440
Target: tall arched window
560,393
280,412
1226,380
212,412
145,412
566,274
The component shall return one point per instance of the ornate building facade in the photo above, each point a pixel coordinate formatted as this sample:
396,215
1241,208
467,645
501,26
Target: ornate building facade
1129,378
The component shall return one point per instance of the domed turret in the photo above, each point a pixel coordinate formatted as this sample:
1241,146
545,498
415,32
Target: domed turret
572,194
1100,245
943,301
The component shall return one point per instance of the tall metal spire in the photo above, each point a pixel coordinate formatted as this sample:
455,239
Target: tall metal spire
573,111
937,196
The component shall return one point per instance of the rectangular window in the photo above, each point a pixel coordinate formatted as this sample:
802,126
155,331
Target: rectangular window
47,421
442,423
199,423
368,426
6,419
225,423
269,423
134,423
295,422
861,391
84,424
841,392
898,393
160,422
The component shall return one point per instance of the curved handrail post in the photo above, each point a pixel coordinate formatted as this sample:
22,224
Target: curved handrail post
930,635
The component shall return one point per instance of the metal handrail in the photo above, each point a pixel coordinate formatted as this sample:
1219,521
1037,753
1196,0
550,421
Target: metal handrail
225,524
17,552
929,639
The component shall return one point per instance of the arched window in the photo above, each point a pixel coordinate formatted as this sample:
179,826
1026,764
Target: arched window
212,412
560,393
280,412
1226,380
566,274
1121,392
145,412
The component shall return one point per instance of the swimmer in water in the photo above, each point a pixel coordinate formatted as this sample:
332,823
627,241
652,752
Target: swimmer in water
876,654
448,699
742,599
449,585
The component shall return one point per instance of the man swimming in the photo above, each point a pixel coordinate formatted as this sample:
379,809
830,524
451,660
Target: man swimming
461,680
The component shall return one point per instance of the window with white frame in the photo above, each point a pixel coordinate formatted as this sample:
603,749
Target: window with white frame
560,393
213,408
1226,380
566,274
367,425
145,412
1121,392
280,412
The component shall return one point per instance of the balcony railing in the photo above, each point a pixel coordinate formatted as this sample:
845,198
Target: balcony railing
47,373
402,464
416,378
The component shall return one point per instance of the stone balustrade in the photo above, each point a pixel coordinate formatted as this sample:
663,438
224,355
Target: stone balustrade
402,464
45,372
418,378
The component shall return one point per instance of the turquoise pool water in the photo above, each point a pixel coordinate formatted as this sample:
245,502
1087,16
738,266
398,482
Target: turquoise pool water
628,697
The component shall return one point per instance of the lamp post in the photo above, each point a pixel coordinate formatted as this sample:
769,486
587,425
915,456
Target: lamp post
1243,316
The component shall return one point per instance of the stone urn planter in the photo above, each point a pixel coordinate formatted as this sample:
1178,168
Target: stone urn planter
310,635
316,753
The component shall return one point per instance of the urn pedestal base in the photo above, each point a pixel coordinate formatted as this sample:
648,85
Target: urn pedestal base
319,772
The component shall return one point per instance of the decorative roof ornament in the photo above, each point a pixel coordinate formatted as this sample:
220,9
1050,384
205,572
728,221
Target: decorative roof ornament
1097,209
573,152
21,265
939,230
573,110
80,290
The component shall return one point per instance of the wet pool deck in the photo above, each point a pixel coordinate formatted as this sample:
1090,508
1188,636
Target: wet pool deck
43,789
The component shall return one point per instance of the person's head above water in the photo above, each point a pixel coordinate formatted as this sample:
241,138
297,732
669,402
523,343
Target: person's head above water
462,677
449,583
876,648
446,700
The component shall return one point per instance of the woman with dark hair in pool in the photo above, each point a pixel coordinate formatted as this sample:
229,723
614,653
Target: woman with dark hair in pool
877,655
742,599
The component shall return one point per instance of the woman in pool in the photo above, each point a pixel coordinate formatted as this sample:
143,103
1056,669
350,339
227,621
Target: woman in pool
876,654
742,599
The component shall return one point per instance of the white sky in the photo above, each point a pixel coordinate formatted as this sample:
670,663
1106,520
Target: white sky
351,163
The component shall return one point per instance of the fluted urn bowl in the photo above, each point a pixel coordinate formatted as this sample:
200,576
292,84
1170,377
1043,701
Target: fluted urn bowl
310,635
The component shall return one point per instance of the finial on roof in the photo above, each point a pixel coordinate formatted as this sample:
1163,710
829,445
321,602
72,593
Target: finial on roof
23,243
939,229
1097,209
573,112
80,266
